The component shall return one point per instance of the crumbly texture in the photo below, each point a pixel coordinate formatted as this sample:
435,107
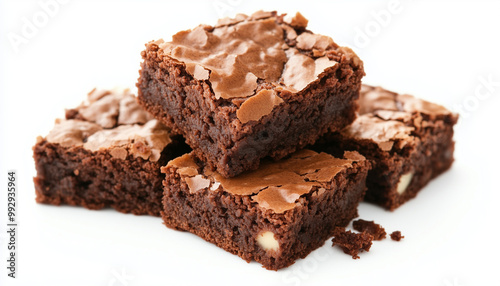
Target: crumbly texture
376,230
352,243
396,235
250,87
274,215
408,140
107,153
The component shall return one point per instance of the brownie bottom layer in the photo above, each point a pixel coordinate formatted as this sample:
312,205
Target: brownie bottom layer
233,222
95,180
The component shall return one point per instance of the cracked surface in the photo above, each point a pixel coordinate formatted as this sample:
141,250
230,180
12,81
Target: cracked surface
274,186
234,56
112,120
310,86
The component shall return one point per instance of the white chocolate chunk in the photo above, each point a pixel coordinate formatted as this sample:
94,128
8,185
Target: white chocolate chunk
267,241
215,186
404,182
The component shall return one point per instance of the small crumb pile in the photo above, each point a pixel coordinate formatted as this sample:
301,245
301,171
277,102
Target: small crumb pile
353,243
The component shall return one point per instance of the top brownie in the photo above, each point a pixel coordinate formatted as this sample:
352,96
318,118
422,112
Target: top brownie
250,87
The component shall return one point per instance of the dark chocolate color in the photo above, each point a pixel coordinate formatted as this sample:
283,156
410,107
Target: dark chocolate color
95,180
396,235
233,222
429,154
212,129
352,243
68,173
376,230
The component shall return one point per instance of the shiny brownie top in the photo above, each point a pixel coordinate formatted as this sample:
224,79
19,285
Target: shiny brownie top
389,119
236,54
112,120
277,185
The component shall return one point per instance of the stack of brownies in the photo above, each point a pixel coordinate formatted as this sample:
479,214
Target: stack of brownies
283,141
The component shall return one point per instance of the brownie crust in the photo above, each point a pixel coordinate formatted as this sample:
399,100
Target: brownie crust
211,125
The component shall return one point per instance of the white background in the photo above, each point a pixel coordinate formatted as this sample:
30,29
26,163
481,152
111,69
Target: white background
441,51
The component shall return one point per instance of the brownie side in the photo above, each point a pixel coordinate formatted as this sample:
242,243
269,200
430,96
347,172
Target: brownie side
233,222
432,156
211,126
437,138
95,180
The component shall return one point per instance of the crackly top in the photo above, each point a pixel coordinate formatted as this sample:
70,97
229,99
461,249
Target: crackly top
374,99
237,52
275,185
112,120
386,117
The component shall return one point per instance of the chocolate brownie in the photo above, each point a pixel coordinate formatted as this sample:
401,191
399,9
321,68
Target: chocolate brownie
273,215
352,243
409,141
396,235
107,153
250,87
376,230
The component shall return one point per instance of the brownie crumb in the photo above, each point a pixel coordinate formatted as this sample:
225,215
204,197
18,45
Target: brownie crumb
376,230
352,243
396,235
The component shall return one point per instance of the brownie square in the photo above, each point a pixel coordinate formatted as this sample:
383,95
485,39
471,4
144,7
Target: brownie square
408,140
250,87
107,153
273,215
